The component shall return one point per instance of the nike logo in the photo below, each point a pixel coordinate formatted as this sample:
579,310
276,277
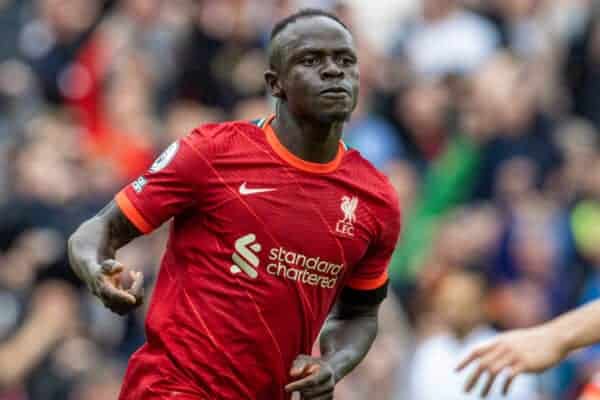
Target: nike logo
246,191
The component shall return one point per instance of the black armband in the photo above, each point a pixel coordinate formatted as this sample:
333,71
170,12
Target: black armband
364,297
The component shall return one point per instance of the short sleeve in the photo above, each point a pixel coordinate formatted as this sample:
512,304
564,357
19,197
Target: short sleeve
372,271
170,185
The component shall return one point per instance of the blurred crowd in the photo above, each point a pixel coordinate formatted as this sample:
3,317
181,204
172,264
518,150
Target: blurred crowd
485,114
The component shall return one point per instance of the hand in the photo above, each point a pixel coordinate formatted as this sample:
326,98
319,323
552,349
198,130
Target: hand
55,310
315,378
528,350
119,292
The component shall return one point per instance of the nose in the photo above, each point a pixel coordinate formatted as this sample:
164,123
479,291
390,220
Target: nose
331,69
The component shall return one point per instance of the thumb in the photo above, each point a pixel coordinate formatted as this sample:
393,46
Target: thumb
111,267
302,366
137,287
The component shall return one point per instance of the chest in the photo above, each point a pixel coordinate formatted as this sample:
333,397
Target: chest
291,214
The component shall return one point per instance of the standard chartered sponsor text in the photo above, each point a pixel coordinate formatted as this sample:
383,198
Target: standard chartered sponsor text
311,271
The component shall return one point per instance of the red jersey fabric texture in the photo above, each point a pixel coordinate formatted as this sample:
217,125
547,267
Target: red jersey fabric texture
261,243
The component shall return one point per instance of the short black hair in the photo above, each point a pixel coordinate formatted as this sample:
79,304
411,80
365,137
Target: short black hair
303,13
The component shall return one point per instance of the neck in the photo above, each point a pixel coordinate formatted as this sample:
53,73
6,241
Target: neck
309,140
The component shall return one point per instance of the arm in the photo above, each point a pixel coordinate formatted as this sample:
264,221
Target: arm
351,326
535,349
348,335
92,252
578,328
169,187
345,340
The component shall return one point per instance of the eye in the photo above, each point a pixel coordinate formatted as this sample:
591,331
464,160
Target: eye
347,60
310,61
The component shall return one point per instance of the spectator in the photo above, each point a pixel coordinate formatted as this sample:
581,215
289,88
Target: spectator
447,40
460,303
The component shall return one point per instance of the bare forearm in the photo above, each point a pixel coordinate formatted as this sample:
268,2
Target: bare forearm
88,246
578,328
92,250
345,342
98,239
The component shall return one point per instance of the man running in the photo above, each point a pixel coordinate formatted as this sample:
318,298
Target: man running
279,233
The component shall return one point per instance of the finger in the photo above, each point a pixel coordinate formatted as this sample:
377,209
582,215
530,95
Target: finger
318,391
514,371
310,381
301,363
486,364
299,384
114,296
474,378
495,366
474,355
88,275
111,267
94,286
488,385
137,287
312,369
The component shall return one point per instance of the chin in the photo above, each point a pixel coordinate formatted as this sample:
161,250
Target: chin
334,116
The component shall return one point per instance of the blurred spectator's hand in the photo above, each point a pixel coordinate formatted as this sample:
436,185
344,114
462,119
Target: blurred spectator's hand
54,309
44,246
520,351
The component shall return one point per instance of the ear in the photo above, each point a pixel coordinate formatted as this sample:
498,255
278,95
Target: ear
274,84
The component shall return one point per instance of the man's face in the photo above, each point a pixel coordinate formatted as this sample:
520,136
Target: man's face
460,301
318,70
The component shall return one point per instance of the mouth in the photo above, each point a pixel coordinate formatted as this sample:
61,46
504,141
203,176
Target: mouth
337,92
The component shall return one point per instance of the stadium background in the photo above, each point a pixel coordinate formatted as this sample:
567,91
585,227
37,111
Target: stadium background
484,114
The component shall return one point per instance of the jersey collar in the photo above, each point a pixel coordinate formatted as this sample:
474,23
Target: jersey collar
295,161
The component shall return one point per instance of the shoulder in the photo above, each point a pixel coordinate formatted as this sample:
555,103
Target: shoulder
214,138
376,182
221,130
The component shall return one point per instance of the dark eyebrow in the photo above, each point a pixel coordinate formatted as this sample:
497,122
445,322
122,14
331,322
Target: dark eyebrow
306,50
311,49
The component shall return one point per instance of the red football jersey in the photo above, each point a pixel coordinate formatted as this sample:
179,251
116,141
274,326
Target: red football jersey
261,244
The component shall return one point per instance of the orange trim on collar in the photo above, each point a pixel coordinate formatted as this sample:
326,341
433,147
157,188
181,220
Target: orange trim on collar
297,162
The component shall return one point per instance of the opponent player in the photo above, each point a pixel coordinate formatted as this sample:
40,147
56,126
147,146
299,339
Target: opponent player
535,349
277,227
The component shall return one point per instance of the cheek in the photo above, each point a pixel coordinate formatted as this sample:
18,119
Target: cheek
300,92
355,76
300,81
